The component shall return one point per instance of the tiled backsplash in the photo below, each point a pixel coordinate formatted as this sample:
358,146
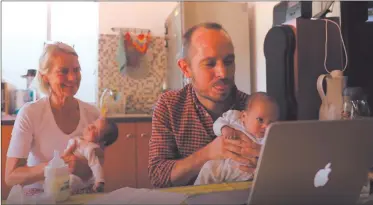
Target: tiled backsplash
141,94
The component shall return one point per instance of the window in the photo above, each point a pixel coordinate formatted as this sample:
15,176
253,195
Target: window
26,27
23,35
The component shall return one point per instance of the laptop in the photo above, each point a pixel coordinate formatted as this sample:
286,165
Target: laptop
307,162
313,162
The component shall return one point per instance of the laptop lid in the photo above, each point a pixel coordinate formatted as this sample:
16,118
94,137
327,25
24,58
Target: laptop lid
314,162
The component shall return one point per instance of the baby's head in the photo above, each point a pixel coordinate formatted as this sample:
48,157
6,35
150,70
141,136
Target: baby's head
101,131
260,111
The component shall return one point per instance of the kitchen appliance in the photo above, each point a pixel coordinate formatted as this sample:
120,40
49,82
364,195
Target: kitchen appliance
30,75
6,97
288,10
19,97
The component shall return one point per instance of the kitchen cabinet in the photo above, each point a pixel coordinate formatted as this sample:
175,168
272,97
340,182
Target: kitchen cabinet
144,131
126,161
6,132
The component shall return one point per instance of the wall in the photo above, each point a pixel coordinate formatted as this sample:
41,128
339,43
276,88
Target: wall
140,87
138,94
150,15
260,23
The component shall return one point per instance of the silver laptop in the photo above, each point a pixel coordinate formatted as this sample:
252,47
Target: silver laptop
313,162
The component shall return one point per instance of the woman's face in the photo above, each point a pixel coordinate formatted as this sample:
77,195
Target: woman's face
64,75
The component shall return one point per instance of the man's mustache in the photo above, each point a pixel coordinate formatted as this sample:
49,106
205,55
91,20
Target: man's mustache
224,81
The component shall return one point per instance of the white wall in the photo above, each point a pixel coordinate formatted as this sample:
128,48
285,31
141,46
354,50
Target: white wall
148,15
260,23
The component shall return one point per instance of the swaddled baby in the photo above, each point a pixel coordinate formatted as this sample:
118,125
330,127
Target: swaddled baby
96,137
260,111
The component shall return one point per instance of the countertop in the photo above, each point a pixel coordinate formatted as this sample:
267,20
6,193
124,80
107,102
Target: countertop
9,119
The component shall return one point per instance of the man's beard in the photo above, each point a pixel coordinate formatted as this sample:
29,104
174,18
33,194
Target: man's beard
205,94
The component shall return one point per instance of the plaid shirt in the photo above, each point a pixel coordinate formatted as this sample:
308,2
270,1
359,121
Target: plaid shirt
180,127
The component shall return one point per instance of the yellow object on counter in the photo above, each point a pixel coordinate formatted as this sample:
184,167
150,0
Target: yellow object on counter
103,111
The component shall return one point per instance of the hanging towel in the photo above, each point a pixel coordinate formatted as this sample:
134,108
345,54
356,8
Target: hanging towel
121,54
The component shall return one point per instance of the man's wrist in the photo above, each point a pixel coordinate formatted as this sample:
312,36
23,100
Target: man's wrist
204,154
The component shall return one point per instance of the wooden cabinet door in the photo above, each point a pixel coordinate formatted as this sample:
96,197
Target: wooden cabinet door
120,159
6,133
143,130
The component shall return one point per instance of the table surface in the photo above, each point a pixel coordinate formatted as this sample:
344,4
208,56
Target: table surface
189,190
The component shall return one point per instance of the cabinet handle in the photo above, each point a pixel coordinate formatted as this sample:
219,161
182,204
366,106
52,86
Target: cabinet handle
143,135
129,136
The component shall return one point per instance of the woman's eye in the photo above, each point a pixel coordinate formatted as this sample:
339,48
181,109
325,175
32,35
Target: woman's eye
64,71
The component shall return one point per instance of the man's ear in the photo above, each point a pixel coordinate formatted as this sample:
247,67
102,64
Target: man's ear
184,66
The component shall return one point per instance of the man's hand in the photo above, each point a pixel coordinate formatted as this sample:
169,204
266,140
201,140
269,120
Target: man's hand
241,149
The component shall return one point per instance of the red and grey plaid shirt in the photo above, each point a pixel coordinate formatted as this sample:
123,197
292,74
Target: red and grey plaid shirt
180,127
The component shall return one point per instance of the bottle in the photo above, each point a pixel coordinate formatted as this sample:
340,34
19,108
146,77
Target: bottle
355,104
57,178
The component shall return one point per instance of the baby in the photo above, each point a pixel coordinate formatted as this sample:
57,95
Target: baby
260,111
96,137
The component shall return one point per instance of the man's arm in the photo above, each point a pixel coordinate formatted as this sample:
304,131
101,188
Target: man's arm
188,168
166,169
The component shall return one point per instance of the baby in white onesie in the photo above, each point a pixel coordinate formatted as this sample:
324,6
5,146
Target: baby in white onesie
91,145
260,111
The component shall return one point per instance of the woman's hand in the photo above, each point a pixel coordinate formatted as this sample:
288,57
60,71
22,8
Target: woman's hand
78,166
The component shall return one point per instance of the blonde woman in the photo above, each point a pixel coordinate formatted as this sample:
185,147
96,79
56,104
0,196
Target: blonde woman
48,123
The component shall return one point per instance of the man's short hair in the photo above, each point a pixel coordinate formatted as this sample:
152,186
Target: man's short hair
187,37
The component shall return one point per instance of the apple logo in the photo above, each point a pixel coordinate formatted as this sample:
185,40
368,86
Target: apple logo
322,176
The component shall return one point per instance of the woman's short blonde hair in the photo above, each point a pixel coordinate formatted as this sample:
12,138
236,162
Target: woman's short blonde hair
46,61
